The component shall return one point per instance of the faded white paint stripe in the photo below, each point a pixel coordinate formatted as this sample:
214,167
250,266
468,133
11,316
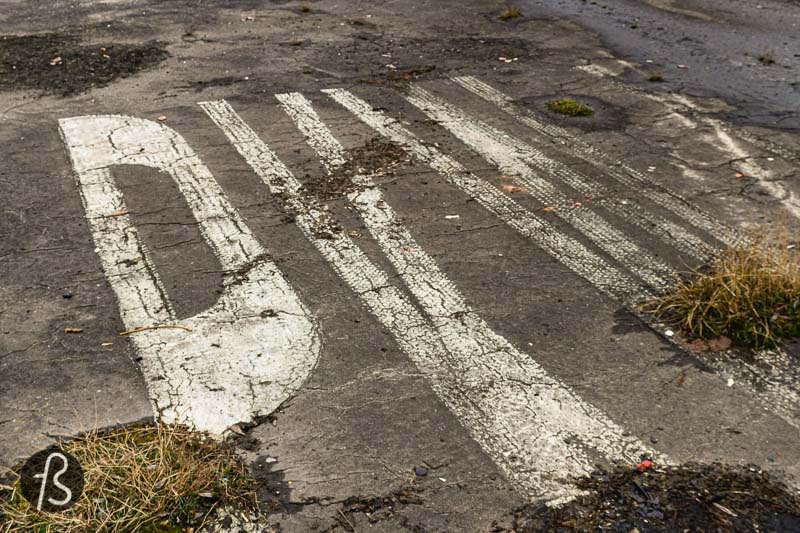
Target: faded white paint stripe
776,378
733,148
537,431
567,250
620,171
596,70
516,158
788,198
234,365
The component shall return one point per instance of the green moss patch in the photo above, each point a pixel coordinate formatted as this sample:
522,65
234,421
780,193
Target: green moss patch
566,106
510,13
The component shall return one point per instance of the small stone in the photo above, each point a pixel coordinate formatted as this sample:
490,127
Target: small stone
67,295
669,333
654,440
420,471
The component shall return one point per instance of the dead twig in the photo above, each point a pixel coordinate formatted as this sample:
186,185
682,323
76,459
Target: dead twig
349,523
157,326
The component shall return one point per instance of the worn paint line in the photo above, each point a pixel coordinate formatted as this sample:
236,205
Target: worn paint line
518,414
775,376
734,148
233,365
567,250
515,155
516,159
788,198
620,171
776,382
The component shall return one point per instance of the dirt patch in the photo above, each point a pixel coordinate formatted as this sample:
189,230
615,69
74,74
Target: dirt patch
690,497
376,158
378,508
59,64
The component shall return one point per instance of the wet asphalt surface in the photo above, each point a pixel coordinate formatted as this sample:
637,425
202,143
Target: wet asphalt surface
746,52
366,442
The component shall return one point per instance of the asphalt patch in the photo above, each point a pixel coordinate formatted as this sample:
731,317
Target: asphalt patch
56,63
690,497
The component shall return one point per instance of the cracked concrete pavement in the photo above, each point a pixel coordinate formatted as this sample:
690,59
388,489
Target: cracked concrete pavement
485,346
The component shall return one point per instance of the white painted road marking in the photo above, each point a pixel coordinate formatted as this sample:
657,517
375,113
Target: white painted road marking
517,154
534,427
538,432
516,158
238,362
620,171
776,377
567,250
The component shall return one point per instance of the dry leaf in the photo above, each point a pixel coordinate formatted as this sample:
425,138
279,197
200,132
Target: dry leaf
236,429
698,345
720,344
513,188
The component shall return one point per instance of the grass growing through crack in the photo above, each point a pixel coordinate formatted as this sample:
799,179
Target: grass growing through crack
766,59
510,13
147,478
750,294
566,106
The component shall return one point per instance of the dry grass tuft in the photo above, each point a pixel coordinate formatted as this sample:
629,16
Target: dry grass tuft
510,13
750,294
143,479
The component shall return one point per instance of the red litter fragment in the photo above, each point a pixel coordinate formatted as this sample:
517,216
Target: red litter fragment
644,465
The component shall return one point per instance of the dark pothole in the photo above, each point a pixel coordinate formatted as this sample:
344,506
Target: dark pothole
604,115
